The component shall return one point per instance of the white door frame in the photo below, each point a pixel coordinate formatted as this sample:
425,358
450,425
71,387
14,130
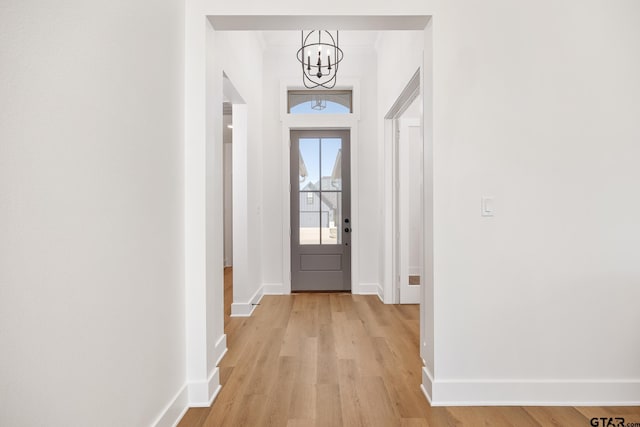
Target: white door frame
318,121
407,96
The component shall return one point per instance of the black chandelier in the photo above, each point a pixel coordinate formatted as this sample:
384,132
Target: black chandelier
326,56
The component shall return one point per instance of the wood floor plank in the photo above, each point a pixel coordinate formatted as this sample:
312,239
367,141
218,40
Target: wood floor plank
328,409
277,411
303,402
327,369
413,422
491,416
557,416
351,402
308,361
630,413
254,416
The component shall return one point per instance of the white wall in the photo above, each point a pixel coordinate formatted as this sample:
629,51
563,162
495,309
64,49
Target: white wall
228,191
536,105
280,64
92,323
240,55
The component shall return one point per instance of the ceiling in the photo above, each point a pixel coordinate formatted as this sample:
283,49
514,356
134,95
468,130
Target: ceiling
346,38
340,22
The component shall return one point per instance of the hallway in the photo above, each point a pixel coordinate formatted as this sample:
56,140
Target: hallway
328,359
344,360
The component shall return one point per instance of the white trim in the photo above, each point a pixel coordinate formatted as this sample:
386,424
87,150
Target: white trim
203,393
273,289
535,392
286,21
427,282
175,410
380,292
426,394
372,289
368,289
395,164
427,384
415,271
410,92
312,121
389,277
245,309
221,349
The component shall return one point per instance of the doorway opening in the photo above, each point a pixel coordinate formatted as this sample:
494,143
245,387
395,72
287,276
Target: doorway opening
208,50
403,122
408,201
227,154
235,122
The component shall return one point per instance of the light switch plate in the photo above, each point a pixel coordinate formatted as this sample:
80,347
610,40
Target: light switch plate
487,206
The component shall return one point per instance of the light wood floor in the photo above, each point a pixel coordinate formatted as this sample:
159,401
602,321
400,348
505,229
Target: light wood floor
345,360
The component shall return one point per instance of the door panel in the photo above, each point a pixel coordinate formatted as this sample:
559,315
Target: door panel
320,207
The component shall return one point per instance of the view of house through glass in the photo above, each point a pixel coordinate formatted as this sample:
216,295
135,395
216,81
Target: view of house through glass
320,187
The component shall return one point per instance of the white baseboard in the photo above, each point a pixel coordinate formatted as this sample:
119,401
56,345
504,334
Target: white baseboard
273,289
245,309
531,392
380,292
368,289
175,410
203,393
427,384
220,349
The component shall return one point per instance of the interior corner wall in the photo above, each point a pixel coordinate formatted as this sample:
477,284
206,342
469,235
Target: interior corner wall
240,53
92,299
214,215
228,190
400,54
280,64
